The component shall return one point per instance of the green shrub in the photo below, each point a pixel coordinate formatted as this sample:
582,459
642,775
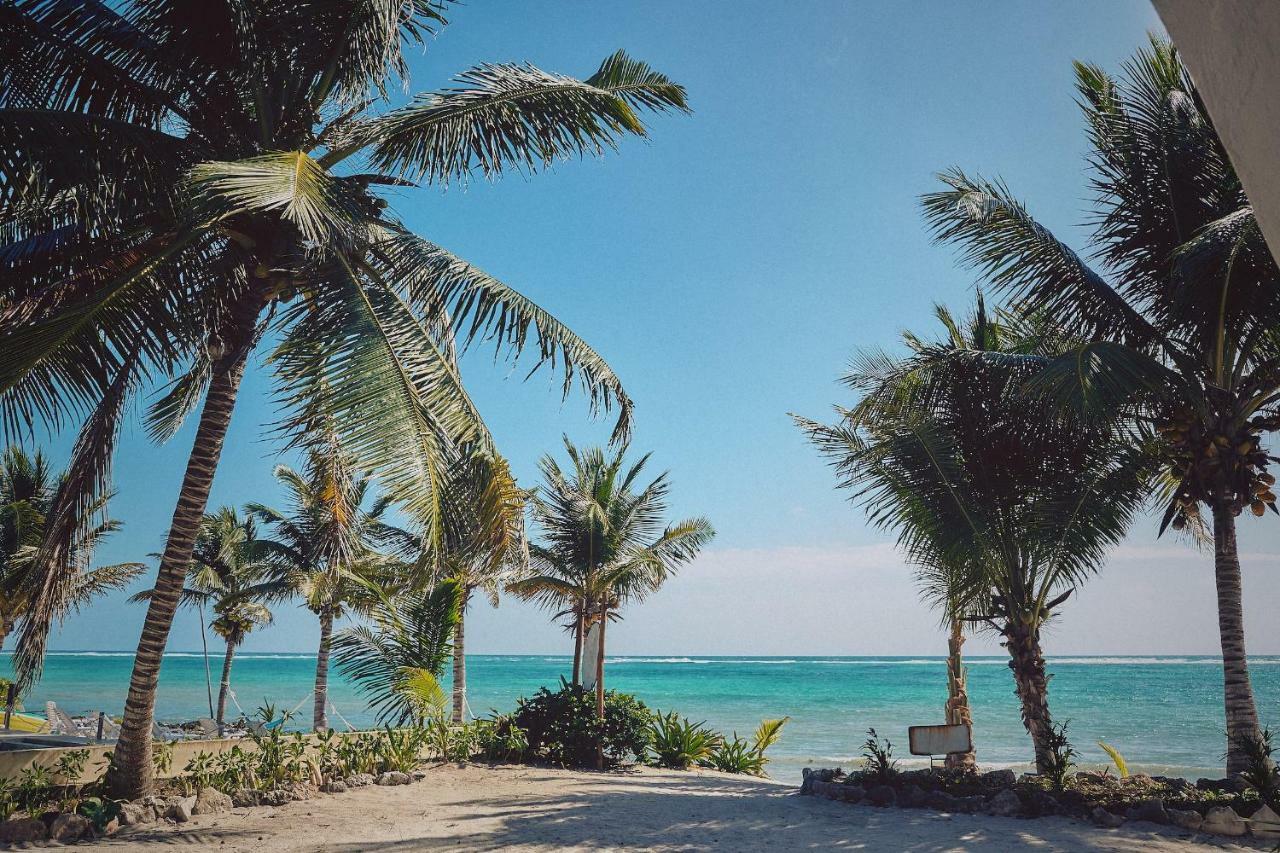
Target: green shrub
500,739
100,811
677,743
1122,767
1061,756
878,761
33,791
402,749
562,727
1262,775
739,755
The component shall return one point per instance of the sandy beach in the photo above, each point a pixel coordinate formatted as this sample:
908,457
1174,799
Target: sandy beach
536,809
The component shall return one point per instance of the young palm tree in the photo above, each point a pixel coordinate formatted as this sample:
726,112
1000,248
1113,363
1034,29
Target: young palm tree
1178,323
28,488
1004,503
397,663
324,550
177,178
603,542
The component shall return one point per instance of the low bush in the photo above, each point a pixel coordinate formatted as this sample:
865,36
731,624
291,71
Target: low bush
878,761
562,727
739,755
677,743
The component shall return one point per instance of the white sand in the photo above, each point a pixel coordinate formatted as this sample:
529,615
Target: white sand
528,808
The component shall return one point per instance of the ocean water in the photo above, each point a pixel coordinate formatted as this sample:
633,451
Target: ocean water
1163,713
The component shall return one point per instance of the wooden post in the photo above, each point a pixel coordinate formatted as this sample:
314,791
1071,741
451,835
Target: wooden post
9,701
102,720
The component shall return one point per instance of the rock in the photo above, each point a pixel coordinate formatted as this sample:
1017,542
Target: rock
882,795
275,797
1174,783
23,830
1030,778
942,801
68,827
358,780
211,801
334,786
1265,823
136,814
1139,779
853,793
971,804
999,778
246,798
1094,778
180,809
112,827
912,797
1151,811
156,802
1102,817
1221,820
1187,819
807,776
1005,804
393,777
1043,804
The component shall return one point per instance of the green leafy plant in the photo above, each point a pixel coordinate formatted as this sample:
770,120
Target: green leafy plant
161,756
677,743
878,761
8,799
1260,772
563,729
1060,755
500,739
34,790
1122,768
100,811
402,749
738,755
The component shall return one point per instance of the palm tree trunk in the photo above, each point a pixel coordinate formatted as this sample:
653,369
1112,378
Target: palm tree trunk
958,712
208,679
224,687
319,719
579,628
1032,685
132,774
604,621
460,660
1242,713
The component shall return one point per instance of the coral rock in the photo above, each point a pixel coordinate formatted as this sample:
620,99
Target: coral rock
70,827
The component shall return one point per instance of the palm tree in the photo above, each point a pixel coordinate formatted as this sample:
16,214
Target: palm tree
604,543
180,177
1004,503
28,488
398,662
325,550
490,547
1178,325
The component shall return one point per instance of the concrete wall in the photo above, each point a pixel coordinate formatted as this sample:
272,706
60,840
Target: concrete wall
1232,48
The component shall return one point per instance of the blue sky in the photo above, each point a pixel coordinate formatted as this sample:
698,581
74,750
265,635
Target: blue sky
728,267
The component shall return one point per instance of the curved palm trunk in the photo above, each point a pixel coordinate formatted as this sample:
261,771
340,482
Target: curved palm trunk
132,774
460,661
319,719
579,629
1032,683
1242,713
224,686
208,679
958,712
599,664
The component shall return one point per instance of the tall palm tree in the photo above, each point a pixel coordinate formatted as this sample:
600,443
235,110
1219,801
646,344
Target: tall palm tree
28,488
398,661
180,177
324,549
1005,503
1178,322
490,548
230,580
604,542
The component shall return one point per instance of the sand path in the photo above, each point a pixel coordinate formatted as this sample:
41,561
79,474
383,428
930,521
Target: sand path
534,809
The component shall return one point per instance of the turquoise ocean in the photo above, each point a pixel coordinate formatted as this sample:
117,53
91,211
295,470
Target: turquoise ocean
1163,713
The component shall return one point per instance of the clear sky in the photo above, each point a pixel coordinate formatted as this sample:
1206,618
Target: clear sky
728,267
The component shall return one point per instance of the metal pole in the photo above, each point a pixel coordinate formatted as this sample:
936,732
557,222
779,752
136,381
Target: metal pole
102,720
9,701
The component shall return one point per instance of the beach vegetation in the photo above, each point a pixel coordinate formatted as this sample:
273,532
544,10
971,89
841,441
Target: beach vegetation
1261,773
34,789
1003,501
500,739
1173,316
100,811
397,660
1062,756
878,763
603,544
736,754
1122,767
213,205
564,729
679,743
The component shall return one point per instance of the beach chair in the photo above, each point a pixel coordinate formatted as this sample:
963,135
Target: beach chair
939,740
206,728
59,722
110,728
